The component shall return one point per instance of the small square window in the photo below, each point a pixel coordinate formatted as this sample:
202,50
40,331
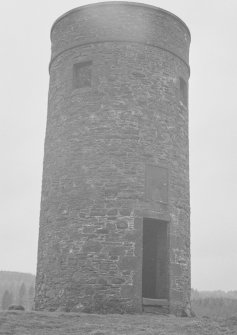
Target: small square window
183,89
82,73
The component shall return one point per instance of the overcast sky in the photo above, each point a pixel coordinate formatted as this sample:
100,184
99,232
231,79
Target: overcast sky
25,54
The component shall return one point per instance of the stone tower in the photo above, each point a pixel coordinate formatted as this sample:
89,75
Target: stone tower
115,216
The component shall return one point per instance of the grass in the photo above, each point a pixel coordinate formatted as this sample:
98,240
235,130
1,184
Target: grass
57,323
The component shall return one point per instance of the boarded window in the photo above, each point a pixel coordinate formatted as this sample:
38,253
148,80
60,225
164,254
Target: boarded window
183,89
156,184
82,74
155,259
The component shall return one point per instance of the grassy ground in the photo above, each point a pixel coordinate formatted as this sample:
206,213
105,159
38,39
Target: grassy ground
55,323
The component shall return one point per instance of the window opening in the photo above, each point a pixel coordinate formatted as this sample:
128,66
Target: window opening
82,73
183,88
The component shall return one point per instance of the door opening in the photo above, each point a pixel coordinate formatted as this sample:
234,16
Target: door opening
155,259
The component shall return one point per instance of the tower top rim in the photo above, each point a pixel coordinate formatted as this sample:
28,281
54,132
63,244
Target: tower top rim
125,3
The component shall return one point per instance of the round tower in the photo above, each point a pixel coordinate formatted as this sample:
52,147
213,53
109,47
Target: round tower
115,215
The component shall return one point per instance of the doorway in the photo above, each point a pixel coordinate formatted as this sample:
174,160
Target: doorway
155,259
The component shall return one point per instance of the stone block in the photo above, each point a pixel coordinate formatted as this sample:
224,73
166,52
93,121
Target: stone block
116,251
127,263
125,211
117,280
122,224
92,246
102,231
112,212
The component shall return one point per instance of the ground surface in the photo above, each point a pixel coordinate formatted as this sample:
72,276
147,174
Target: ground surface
43,323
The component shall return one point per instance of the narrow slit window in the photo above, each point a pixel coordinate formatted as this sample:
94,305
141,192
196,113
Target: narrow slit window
183,89
82,74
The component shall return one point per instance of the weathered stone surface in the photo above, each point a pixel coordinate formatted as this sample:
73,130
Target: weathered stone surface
117,109
125,211
16,308
128,262
117,280
122,224
92,246
112,212
127,291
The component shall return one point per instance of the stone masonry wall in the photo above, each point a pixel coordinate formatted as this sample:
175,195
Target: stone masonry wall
100,141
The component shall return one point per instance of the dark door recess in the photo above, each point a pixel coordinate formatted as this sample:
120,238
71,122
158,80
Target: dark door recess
155,259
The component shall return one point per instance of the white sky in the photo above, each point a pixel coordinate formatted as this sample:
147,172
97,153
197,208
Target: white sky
25,54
